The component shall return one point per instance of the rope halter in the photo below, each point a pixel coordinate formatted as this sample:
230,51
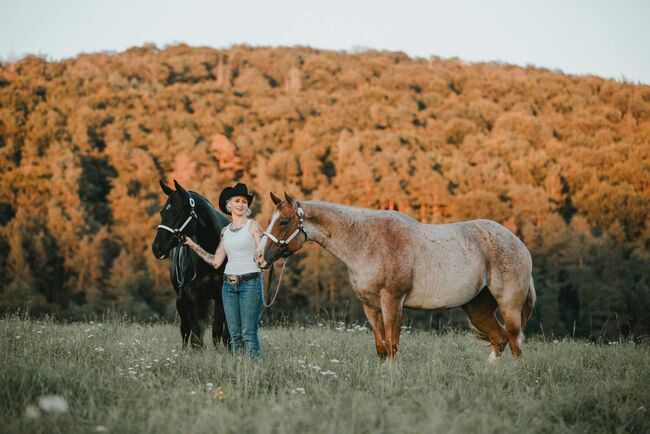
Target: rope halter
177,232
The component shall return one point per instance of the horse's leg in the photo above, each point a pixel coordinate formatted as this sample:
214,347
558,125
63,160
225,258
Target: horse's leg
512,319
480,311
391,312
181,306
194,321
202,306
377,324
219,328
511,302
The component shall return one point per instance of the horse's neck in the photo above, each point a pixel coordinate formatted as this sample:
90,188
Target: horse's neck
207,235
342,231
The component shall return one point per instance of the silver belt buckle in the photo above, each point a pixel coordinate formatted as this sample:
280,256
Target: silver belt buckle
233,279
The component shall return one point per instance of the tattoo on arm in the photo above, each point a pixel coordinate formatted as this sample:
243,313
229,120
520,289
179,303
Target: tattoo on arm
215,259
256,231
203,254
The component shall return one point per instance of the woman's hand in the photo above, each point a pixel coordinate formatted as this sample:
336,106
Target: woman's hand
186,241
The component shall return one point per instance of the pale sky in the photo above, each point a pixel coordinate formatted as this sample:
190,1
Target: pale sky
606,38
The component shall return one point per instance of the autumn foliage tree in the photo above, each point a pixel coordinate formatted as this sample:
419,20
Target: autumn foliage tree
562,161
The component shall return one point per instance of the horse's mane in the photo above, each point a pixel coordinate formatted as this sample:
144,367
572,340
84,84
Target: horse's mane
362,211
215,218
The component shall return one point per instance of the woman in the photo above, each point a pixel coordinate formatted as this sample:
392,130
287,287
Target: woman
242,281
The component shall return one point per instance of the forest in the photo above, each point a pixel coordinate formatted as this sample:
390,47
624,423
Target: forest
562,161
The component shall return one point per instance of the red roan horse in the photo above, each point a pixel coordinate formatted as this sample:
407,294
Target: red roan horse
394,261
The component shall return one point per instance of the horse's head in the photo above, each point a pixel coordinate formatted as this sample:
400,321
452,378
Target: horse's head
177,218
285,234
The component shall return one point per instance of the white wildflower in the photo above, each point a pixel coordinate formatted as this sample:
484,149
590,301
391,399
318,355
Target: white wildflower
53,404
99,349
335,361
32,412
100,428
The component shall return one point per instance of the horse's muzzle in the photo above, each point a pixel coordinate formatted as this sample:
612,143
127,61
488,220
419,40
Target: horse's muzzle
157,251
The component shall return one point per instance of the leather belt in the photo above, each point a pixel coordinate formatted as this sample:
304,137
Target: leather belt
236,279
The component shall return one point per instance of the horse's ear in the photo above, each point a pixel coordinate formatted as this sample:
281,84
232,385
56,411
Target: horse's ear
165,188
276,200
181,189
289,198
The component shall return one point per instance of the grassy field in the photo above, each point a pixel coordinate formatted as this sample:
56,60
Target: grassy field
122,377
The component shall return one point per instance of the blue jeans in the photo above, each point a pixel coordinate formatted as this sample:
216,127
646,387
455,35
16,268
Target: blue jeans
243,305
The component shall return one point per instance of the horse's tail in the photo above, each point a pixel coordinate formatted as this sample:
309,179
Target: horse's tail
477,333
529,304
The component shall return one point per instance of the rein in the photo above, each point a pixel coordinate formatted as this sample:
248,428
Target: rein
177,232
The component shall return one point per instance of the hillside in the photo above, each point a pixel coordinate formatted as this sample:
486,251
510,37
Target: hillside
563,161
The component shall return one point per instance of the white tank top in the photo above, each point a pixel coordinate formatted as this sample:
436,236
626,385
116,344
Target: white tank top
240,247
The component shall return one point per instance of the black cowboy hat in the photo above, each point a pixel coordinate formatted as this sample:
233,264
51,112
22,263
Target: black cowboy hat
238,190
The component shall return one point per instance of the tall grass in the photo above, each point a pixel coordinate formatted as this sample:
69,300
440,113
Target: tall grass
124,377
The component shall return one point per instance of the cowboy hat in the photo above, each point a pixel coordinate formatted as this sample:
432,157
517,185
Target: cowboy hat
229,192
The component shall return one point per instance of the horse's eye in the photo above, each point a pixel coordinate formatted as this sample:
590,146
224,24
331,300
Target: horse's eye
284,222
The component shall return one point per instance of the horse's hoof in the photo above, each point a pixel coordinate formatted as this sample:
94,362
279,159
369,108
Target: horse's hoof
492,357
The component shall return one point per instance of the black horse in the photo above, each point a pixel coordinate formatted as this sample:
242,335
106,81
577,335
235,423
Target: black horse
196,283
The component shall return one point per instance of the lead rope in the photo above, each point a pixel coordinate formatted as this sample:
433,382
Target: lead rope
180,267
182,259
277,288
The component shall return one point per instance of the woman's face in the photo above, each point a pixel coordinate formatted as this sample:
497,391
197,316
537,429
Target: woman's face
238,205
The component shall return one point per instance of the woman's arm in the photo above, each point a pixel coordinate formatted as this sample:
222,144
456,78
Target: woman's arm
215,259
256,231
